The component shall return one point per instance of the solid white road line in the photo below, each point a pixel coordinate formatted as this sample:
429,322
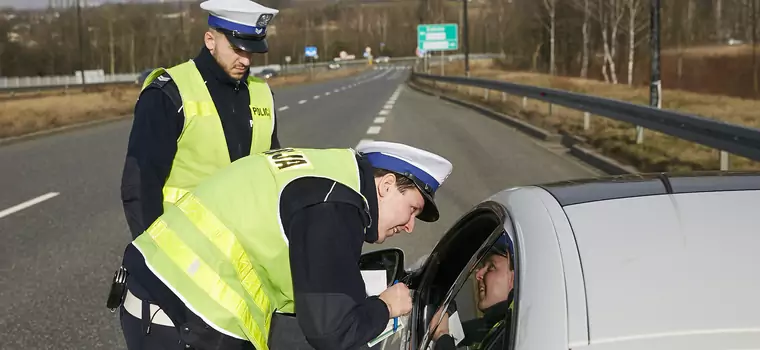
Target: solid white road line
27,204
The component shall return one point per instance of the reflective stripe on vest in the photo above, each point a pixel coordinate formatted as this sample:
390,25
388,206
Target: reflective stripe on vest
202,147
221,247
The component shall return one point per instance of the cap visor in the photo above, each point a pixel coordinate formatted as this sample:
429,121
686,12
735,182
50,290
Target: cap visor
253,46
430,211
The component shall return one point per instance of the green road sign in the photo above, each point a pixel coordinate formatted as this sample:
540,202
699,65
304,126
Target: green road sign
437,37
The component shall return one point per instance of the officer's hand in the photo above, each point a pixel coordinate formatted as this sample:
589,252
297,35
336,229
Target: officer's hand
442,328
398,300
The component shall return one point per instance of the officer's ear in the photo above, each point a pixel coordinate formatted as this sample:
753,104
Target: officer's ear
385,183
210,40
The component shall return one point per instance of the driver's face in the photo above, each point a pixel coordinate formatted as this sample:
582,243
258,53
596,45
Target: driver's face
495,280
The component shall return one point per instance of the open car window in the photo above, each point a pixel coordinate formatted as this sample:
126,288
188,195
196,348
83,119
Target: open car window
450,279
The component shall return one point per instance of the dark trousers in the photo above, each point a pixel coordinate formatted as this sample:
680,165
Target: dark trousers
141,336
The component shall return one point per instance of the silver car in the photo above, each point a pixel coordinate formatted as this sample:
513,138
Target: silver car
627,262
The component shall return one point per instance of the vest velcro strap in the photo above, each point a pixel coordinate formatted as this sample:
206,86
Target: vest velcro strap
224,240
173,194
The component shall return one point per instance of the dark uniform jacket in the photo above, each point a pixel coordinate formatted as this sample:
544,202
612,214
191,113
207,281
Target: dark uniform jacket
475,331
158,122
325,241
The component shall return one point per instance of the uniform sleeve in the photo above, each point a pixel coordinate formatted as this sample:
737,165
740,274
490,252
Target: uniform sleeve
150,152
445,342
332,308
275,144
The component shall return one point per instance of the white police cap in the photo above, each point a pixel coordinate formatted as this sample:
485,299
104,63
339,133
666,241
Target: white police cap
427,170
244,22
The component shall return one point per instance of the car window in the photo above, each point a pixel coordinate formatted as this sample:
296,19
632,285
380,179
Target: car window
449,279
470,309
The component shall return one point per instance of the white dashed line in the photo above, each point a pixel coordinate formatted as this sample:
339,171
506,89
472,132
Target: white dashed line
27,204
316,97
389,106
373,130
282,108
301,102
385,112
327,93
336,90
379,120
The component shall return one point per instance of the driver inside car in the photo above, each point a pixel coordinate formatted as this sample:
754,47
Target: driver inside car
495,279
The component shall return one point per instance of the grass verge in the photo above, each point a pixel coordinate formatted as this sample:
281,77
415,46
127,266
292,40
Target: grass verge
57,108
659,152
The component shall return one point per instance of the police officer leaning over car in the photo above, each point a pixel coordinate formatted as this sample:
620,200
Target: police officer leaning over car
199,116
190,121
275,239
495,279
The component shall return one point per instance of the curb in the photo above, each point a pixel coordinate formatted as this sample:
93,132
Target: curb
572,142
72,127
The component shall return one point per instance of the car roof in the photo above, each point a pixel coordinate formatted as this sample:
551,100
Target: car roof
667,257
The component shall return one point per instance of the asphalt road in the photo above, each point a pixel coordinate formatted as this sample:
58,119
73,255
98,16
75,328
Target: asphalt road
62,224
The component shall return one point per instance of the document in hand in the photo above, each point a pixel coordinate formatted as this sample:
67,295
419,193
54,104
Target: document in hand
387,332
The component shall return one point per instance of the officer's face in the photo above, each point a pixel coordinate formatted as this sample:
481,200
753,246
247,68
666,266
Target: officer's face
495,279
396,210
234,61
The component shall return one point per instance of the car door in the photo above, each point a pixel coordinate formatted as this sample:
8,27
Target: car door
446,280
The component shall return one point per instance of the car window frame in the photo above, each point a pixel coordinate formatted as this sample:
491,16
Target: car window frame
431,266
463,278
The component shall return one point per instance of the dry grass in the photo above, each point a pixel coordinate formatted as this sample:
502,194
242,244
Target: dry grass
617,139
55,108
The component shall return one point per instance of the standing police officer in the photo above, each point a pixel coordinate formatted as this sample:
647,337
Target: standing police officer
278,233
199,116
190,121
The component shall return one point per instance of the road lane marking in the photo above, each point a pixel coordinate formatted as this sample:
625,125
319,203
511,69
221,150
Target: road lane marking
373,130
379,120
336,90
327,93
385,112
316,97
389,106
363,141
27,204
283,108
301,102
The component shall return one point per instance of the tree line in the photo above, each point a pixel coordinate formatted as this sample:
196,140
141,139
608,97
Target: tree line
587,38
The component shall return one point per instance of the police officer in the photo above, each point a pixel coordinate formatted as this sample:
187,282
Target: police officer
280,233
199,116
190,121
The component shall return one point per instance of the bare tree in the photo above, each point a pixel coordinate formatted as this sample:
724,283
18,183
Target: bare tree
635,25
611,14
551,9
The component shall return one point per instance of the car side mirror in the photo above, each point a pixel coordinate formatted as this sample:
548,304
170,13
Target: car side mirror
391,260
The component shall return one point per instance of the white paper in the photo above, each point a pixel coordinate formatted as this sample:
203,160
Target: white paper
375,281
455,328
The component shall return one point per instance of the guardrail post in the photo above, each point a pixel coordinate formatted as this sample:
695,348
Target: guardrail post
525,103
639,135
723,160
503,97
586,121
550,109
486,94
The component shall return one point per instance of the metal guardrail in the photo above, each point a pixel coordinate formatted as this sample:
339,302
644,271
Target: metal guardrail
731,138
